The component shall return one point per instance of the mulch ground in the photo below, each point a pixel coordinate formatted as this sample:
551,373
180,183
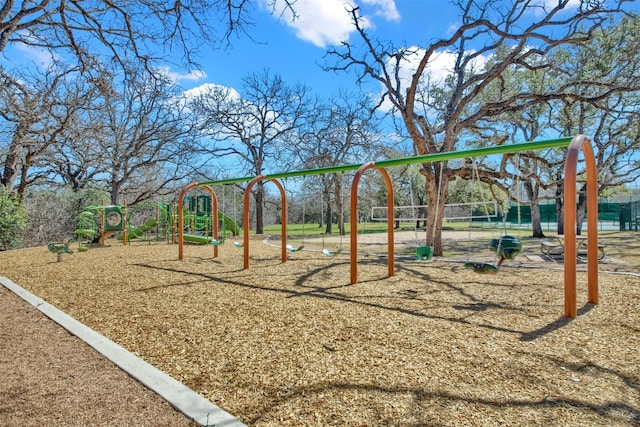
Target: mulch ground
295,344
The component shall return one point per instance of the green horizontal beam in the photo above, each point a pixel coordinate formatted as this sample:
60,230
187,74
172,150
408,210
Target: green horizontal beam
427,158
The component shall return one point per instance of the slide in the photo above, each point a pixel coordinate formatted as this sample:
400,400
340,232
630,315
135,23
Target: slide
98,236
196,238
229,224
137,232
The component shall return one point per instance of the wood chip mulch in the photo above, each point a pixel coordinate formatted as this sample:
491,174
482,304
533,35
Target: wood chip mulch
295,344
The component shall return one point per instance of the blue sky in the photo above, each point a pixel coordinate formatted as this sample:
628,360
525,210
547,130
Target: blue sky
294,49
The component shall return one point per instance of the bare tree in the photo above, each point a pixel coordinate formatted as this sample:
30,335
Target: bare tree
610,118
143,136
339,132
611,121
125,30
255,127
36,108
77,158
494,37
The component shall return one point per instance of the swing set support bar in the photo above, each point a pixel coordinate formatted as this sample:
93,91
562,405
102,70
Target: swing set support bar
354,220
214,216
283,219
427,158
580,143
575,145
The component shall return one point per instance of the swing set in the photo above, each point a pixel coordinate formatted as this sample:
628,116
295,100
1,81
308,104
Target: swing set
505,246
300,247
338,250
325,251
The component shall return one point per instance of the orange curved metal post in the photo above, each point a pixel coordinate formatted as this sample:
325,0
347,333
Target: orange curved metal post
245,221
245,224
283,219
354,220
580,143
592,224
184,191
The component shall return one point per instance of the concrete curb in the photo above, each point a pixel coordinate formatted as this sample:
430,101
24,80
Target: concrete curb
182,398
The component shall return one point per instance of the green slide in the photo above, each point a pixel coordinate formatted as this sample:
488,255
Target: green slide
229,224
137,232
196,238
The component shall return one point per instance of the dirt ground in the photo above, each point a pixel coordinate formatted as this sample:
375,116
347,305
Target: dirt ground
294,344
51,378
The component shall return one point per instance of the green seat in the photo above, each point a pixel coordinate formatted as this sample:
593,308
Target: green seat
424,252
482,267
506,246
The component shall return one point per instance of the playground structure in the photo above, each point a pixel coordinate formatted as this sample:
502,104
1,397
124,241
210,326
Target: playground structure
574,147
157,222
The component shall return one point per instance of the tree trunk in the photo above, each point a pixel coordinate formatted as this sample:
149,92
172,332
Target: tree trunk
339,204
536,225
559,205
437,196
328,214
581,209
326,210
115,187
10,170
258,196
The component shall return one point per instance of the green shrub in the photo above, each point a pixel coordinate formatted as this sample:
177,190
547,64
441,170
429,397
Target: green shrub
13,219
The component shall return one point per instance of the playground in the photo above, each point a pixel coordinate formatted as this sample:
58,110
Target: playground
372,331
296,344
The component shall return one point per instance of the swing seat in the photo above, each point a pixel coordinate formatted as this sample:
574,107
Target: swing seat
215,242
509,253
424,253
328,253
238,244
506,246
482,267
292,248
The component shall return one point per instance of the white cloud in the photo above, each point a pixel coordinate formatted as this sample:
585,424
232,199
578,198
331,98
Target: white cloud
385,8
36,55
321,22
193,76
547,5
438,68
327,22
209,88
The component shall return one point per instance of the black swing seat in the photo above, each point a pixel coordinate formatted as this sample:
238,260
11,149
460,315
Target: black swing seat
482,267
506,246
